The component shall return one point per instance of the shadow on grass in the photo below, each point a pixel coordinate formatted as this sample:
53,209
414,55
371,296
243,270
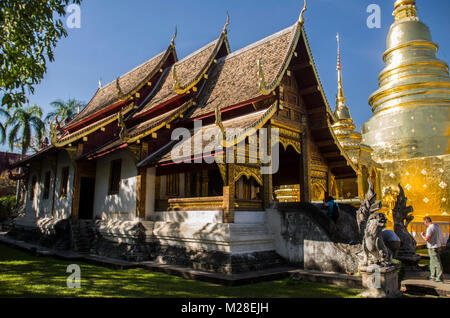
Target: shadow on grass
24,275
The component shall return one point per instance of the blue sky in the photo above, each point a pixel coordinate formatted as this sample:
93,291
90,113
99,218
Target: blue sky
116,36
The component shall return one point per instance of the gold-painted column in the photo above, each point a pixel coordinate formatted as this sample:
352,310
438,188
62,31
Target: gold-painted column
229,195
267,178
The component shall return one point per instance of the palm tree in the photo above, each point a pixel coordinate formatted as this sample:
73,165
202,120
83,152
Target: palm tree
3,126
26,125
64,110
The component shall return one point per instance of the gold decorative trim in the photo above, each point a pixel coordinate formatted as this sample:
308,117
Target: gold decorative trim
161,125
228,142
296,144
89,129
413,104
387,92
248,171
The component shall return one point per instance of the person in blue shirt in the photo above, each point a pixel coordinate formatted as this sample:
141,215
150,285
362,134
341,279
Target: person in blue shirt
329,202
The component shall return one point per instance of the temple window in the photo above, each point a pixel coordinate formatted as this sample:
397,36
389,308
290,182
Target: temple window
114,176
64,181
47,185
173,185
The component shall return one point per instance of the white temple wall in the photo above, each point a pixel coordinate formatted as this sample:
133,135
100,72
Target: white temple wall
63,204
45,204
122,205
32,204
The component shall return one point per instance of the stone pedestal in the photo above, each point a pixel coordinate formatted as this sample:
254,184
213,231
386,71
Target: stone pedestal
410,261
380,282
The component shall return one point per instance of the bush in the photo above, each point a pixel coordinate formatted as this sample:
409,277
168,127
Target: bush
7,205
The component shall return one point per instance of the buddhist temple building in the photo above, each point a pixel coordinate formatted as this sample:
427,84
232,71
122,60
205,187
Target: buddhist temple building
113,164
409,128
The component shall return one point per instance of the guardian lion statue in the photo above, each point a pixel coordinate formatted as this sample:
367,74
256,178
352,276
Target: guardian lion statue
373,243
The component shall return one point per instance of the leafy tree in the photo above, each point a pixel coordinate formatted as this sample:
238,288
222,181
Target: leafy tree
25,124
29,33
64,110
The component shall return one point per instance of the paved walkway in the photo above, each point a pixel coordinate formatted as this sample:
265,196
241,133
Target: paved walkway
418,283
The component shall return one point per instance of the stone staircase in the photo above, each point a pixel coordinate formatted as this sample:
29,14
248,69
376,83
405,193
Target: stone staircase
81,235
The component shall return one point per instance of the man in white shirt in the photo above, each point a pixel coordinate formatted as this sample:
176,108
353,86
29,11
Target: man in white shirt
433,237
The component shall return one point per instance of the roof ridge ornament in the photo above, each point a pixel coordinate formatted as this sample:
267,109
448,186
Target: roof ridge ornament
172,42
262,81
301,20
123,134
219,123
227,23
100,83
120,94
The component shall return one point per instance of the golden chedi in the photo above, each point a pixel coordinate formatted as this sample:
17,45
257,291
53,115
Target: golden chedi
409,129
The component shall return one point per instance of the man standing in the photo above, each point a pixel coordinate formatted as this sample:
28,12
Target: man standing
433,239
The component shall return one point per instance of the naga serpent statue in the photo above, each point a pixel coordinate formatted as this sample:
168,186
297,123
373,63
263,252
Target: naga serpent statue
371,225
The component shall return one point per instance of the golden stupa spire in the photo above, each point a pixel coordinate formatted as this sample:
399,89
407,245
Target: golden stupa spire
341,111
344,127
340,96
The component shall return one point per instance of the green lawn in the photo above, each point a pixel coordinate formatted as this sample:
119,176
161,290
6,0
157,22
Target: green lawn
24,275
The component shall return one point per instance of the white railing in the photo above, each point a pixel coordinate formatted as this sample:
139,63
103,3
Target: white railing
415,228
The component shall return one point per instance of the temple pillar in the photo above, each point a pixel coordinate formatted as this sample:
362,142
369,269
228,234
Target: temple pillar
198,186
229,195
141,190
267,195
360,185
77,178
305,183
150,196
204,180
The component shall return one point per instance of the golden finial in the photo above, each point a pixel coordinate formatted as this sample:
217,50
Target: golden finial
340,97
301,20
226,24
339,67
405,9
172,43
